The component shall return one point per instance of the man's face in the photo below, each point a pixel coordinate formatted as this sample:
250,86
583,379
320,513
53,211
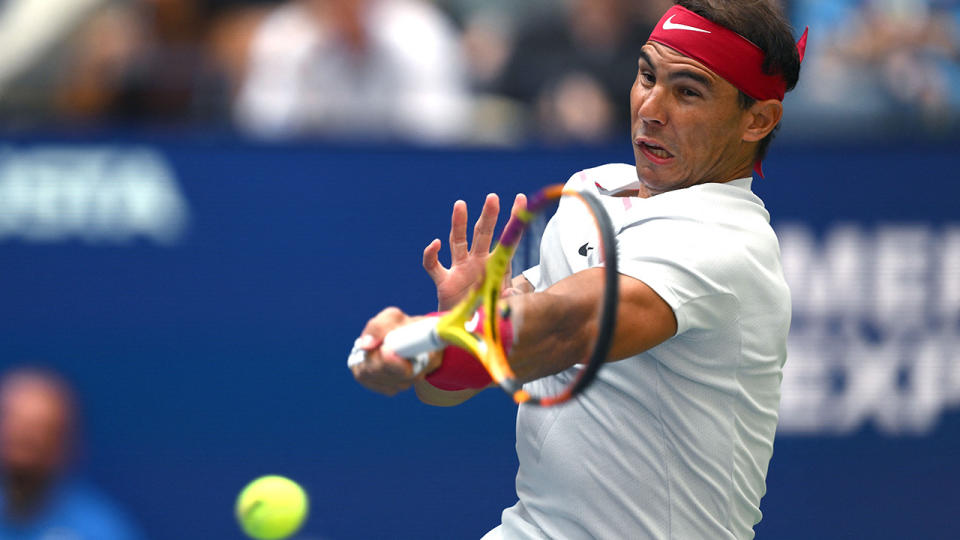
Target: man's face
33,427
686,123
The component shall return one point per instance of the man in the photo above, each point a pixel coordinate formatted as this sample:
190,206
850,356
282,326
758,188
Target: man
674,438
36,501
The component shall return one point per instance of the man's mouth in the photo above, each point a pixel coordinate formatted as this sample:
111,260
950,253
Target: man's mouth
653,149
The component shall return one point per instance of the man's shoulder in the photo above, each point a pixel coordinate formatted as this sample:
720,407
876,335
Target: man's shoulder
608,178
613,169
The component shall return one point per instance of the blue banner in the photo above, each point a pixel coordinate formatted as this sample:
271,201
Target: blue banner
202,294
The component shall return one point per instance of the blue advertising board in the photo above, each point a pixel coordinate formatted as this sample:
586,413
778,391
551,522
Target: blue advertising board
202,295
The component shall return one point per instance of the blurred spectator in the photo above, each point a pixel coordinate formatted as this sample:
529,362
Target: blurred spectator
574,69
558,70
464,10
141,61
231,28
38,500
356,68
897,59
128,62
488,28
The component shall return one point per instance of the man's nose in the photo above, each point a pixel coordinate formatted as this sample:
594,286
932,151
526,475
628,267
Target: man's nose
652,108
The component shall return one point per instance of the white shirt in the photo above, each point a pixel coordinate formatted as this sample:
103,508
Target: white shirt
673,442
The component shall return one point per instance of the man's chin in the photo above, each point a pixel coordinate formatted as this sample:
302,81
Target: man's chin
656,180
652,174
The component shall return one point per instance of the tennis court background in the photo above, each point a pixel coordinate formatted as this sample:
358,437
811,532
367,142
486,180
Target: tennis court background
202,293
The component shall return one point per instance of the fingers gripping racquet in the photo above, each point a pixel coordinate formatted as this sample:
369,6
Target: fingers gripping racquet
459,327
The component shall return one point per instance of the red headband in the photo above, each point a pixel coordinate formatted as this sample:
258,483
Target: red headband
723,51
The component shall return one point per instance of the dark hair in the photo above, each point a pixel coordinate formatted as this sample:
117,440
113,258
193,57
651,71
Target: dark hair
764,24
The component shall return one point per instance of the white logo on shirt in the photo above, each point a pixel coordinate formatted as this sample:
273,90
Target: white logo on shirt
670,25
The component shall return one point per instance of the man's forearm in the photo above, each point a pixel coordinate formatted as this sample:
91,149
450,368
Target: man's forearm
551,332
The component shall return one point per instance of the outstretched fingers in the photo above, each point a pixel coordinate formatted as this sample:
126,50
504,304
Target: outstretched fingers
486,223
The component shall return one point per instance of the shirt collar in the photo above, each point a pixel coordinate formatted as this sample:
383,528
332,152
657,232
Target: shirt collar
743,183
615,184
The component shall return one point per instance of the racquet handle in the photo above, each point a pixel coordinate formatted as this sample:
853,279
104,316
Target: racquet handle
414,339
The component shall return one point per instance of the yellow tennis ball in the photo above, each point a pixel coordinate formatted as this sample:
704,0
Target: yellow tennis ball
272,507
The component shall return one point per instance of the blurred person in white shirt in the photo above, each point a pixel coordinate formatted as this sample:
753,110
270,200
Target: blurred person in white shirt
370,69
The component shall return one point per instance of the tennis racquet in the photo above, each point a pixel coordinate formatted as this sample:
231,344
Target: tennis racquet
459,327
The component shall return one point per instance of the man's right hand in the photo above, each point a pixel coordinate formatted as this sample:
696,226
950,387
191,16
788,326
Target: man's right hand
380,370
466,262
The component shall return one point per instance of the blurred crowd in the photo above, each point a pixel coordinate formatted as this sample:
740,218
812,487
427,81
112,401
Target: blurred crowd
440,71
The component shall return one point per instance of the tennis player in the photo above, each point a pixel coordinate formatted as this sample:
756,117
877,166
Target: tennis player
674,438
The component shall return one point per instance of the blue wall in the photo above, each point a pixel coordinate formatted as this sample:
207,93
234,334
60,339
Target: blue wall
210,346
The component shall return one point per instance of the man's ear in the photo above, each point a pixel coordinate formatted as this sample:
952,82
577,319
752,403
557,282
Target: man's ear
762,117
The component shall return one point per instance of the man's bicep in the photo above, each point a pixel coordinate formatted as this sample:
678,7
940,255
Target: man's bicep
644,319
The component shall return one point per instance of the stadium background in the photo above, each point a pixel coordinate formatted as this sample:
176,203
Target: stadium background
201,288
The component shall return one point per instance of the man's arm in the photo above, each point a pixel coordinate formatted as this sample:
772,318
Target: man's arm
554,330
557,328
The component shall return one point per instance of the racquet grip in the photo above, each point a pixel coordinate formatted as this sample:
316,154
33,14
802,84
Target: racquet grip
414,339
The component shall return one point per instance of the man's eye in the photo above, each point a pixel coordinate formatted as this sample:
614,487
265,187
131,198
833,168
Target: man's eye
687,92
648,77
